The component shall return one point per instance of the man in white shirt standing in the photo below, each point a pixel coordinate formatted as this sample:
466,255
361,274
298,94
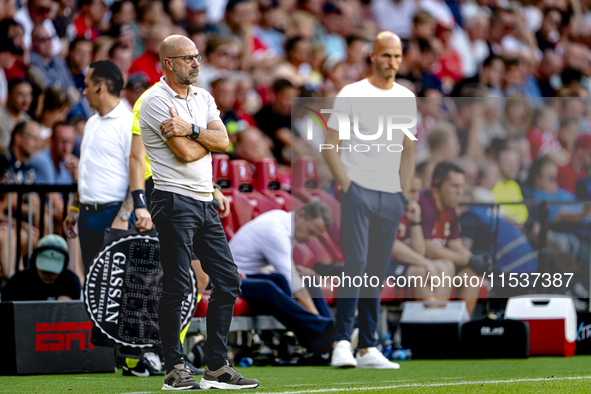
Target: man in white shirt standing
102,200
268,240
180,126
372,182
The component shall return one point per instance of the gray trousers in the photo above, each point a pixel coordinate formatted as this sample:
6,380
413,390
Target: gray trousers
369,225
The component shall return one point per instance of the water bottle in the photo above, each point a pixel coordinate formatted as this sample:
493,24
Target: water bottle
401,355
246,362
387,349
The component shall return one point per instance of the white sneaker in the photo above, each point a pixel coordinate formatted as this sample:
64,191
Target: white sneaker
374,359
342,355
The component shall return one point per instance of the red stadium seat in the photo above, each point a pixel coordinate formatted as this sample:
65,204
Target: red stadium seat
248,203
240,306
221,176
306,187
266,181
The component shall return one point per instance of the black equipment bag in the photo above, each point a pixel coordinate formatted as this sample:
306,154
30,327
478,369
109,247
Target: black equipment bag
495,339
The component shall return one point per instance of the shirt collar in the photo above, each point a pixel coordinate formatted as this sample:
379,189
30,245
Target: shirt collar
114,112
193,91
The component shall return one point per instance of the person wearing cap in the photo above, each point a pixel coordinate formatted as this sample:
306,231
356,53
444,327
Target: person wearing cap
576,170
136,85
102,199
8,52
48,276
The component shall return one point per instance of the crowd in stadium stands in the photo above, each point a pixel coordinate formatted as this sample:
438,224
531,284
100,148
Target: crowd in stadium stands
503,92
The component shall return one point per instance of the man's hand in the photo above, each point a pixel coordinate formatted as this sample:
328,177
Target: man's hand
223,201
70,223
120,224
175,126
72,166
413,211
305,271
345,187
242,274
432,269
144,219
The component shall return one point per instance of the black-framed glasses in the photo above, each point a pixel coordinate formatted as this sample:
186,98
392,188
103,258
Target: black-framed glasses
188,58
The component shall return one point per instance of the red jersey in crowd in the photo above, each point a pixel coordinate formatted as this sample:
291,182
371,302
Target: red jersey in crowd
542,142
439,226
84,31
569,175
149,64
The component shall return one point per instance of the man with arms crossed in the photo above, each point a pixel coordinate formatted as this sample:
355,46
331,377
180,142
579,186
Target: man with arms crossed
180,126
372,204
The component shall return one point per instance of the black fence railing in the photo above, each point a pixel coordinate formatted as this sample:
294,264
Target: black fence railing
24,194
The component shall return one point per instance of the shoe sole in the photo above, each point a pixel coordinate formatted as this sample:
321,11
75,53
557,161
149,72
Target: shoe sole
169,387
210,384
344,365
144,374
378,367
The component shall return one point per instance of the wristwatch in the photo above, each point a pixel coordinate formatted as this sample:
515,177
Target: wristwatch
124,216
196,133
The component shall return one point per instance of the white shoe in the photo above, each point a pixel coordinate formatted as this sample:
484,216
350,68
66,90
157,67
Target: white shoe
374,359
342,356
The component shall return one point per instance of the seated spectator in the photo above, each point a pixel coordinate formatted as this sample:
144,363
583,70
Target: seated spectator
544,179
296,68
149,61
15,31
55,109
569,175
79,58
220,55
489,79
122,56
542,138
441,228
52,70
275,119
483,231
16,167
507,189
20,96
36,13
7,58
56,165
409,251
267,240
251,145
47,278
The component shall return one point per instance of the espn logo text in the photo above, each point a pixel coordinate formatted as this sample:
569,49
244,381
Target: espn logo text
57,337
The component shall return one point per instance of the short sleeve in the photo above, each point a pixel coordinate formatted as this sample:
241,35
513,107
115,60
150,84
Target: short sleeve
155,111
427,217
341,103
135,126
213,113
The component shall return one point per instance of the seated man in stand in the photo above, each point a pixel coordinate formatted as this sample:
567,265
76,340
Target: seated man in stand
48,276
409,252
267,240
441,228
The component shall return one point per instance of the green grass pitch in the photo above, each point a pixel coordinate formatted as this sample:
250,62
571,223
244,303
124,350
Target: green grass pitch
535,375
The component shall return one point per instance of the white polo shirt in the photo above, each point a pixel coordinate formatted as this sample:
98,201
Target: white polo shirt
103,171
169,173
374,169
266,240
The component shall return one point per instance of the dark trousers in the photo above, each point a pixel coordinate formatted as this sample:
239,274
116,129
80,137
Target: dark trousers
91,230
369,224
271,294
187,225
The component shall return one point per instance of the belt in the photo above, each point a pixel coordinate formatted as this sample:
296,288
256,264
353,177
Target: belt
94,207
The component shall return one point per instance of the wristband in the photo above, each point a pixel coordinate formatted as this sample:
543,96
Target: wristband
415,223
139,199
218,187
75,209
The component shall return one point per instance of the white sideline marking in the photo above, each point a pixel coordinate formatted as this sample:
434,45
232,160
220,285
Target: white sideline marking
432,385
84,377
